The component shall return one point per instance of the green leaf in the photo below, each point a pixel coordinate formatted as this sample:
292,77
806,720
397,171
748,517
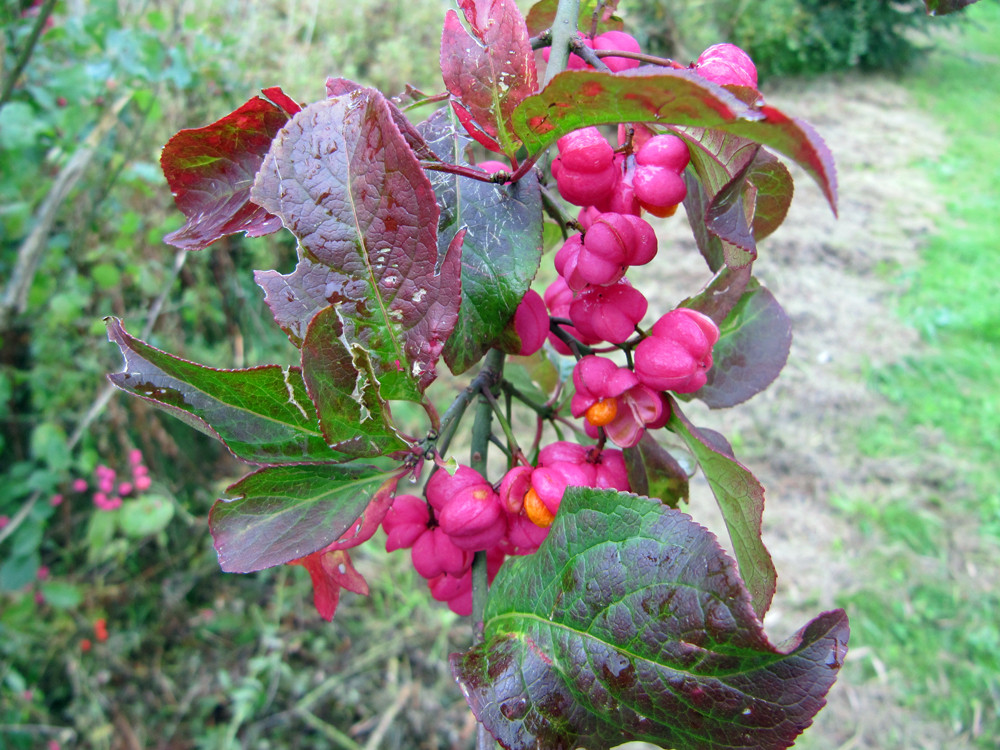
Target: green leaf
501,249
753,346
353,417
61,594
741,499
49,446
344,180
145,516
282,513
263,415
631,623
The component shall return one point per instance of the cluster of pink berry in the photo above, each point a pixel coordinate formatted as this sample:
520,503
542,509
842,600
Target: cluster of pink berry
109,491
463,513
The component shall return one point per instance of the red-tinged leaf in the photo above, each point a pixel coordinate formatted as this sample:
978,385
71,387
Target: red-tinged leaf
492,69
943,7
353,417
283,100
345,182
653,472
741,499
283,513
210,171
263,415
753,346
501,249
631,623
579,98
542,14
797,140
339,86
330,571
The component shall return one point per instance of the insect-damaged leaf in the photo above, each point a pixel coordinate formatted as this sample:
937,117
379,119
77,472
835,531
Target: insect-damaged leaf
345,182
283,513
631,623
263,415
210,171
752,349
543,13
741,499
502,246
353,417
491,70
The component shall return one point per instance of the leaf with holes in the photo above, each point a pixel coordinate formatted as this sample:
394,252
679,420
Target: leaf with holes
501,249
263,415
338,376
490,70
631,623
283,513
753,346
344,181
210,171
741,499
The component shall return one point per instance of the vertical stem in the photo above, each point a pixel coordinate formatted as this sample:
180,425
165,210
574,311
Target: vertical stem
481,429
563,31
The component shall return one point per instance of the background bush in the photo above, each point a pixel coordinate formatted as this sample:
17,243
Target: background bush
789,37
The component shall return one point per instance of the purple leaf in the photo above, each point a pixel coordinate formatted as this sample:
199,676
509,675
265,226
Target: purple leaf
210,171
943,7
353,417
282,513
741,499
653,472
490,70
631,623
263,415
344,181
722,293
773,183
754,342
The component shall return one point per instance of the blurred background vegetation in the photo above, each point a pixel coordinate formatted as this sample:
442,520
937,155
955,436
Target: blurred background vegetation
117,629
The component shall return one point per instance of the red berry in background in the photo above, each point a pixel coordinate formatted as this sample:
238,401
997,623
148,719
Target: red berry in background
657,181
473,518
442,486
559,297
585,168
434,553
567,262
617,40
606,247
406,520
531,323
621,199
678,353
575,62
727,64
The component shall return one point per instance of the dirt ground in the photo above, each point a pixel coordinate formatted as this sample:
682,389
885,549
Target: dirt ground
829,274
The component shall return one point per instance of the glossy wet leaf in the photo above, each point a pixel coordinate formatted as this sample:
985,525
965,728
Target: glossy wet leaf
283,513
501,249
631,623
210,171
741,500
754,342
344,181
263,414
489,69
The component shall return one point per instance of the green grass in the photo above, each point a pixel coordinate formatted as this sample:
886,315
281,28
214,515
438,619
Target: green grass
932,615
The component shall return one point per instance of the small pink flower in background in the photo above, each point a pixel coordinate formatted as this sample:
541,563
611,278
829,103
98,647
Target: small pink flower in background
4,520
54,745
125,488
55,500
135,457
80,485
43,572
142,483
